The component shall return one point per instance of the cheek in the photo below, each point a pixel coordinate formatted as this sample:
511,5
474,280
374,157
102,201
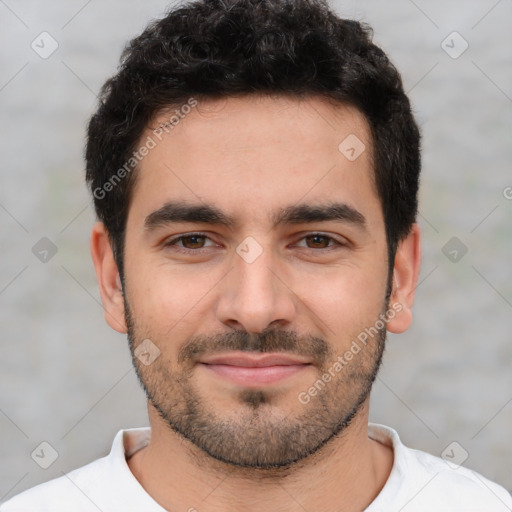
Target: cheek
345,300
167,299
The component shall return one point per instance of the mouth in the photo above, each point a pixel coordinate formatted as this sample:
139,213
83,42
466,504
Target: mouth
254,370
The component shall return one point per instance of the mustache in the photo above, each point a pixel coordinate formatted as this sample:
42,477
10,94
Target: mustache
312,347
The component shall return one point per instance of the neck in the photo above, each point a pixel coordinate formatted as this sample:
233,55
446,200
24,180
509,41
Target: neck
345,475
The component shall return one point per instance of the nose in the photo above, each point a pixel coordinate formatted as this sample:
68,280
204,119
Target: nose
255,295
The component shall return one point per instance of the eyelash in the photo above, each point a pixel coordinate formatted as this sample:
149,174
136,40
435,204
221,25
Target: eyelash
172,242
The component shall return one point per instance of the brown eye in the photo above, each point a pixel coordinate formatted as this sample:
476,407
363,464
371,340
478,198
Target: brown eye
190,242
193,241
318,241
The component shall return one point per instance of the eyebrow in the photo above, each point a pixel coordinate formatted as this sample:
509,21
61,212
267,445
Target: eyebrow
179,211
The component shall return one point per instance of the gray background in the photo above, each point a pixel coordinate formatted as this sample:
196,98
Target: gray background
66,377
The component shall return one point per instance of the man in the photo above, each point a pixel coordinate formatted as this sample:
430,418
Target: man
254,166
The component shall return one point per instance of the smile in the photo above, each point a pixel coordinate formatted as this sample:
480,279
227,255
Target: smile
255,371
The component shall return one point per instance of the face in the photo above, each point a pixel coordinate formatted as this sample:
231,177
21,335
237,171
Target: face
255,266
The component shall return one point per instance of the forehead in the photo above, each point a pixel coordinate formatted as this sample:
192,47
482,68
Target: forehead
302,125
253,155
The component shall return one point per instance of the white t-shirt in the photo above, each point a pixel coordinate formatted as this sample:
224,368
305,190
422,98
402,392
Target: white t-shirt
418,482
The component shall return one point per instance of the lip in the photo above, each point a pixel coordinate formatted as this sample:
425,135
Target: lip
250,370
247,360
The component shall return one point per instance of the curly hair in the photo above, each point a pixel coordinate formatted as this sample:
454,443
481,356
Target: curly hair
220,48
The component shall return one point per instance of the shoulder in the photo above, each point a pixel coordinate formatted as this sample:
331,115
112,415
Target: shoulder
105,484
421,481
70,490
459,486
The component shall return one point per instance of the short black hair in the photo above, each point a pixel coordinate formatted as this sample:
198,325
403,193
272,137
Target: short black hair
210,49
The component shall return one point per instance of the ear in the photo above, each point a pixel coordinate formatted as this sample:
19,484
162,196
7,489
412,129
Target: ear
405,279
108,278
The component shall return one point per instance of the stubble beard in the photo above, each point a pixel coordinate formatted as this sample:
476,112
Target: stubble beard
257,435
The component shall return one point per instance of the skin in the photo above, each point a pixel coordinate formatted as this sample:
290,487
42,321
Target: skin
250,157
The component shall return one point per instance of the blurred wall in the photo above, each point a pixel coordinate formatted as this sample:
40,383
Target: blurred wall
66,378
